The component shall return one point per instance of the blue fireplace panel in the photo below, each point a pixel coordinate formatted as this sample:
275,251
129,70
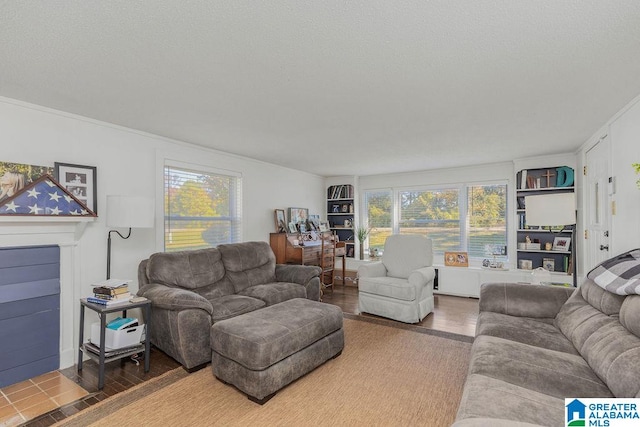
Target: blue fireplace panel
29,312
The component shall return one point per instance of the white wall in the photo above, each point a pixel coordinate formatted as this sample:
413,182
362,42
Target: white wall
467,281
489,172
623,132
129,163
625,150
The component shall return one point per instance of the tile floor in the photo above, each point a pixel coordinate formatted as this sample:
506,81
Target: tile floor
29,399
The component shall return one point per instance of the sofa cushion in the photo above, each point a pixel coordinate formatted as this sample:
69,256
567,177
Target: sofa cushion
523,300
187,269
248,264
601,300
486,397
276,292
233,305
388,287
404,253
545,371
526,330
630,314
608,347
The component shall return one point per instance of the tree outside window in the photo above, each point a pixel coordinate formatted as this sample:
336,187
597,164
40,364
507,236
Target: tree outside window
201,209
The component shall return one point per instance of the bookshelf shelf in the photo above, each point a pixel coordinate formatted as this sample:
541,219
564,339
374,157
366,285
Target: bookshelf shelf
341,214
530,182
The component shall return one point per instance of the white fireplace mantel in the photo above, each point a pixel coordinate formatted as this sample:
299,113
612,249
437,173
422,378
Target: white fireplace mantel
20,225
66,233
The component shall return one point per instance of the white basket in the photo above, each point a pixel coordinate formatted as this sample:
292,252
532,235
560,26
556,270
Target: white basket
117,339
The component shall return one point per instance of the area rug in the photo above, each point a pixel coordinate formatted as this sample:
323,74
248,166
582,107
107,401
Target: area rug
386,375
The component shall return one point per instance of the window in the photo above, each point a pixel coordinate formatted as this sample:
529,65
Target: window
201,208
487,223
379,208
434,213
466,217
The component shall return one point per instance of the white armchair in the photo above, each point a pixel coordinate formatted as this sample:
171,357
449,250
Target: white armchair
400,286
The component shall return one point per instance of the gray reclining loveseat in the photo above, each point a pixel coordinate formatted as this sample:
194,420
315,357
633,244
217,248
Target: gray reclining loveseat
191,290
537,345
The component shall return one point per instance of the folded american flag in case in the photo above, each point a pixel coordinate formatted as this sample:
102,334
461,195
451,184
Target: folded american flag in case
44,197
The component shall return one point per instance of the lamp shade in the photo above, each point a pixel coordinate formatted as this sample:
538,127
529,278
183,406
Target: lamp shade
130,212
550,209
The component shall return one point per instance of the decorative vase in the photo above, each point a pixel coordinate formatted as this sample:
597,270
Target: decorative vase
361,251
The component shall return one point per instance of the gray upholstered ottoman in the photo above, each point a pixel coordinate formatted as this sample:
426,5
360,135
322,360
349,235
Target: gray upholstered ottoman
264,350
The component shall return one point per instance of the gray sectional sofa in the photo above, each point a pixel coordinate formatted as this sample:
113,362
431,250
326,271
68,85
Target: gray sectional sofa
537,345
191,290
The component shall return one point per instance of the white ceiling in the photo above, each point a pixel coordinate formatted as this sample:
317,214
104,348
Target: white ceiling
333,87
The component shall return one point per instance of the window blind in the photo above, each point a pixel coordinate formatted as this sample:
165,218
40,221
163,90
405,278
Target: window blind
487,224
432,213
379,208
469,217
201,208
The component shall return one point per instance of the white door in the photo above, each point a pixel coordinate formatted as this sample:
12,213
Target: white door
598,201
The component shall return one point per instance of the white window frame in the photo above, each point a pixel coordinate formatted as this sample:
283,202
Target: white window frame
462,206
166,162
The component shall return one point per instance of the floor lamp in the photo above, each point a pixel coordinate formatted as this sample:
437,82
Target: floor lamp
554,210
127,212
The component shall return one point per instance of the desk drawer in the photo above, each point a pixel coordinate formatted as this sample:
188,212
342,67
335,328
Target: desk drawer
311,256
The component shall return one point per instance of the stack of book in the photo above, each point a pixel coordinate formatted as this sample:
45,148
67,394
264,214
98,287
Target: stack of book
111,292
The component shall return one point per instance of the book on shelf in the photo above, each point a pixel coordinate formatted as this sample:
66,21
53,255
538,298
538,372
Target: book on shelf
122,323
523,179
103,290
125,295
111,283
341,192
109,302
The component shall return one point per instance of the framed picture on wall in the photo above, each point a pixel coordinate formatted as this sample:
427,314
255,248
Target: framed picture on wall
80,181
14,177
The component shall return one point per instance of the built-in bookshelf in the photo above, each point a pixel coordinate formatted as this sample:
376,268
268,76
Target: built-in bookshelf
543,246
341,214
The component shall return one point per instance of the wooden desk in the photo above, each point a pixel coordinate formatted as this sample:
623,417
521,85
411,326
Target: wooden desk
288,253
308,254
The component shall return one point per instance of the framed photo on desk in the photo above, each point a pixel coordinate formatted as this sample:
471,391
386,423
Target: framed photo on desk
281,221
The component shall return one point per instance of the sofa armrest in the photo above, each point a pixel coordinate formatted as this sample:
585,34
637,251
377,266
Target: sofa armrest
304,275
523,300
175,299
422,276
372,269
300,274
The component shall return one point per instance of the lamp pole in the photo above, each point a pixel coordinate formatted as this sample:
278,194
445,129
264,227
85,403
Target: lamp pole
109,249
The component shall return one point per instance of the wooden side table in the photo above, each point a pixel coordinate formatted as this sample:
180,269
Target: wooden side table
102,312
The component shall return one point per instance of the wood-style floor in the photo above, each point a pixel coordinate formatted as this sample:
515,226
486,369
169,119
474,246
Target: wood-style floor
451,314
